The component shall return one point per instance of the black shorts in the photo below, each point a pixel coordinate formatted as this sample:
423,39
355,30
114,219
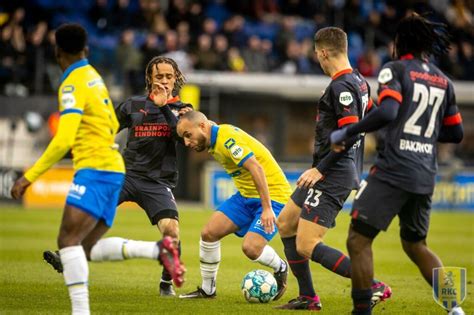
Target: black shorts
377,203
321,203
156,199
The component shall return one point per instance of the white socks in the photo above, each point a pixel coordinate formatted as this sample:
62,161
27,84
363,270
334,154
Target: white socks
271,259
210,256
76,274
117,248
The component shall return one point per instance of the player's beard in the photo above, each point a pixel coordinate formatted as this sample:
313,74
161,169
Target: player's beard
201,144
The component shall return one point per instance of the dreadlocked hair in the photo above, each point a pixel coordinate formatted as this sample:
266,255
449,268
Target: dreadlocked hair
180,79
417,35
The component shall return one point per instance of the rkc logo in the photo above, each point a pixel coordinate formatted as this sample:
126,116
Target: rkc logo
449,286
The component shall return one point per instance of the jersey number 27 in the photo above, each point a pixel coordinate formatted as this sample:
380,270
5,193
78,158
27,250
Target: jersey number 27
432,97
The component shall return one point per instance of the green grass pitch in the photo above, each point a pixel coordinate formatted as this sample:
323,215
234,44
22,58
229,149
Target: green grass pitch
30,286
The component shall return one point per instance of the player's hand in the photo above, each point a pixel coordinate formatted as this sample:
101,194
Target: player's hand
268,220
184,110
159,95
337,139
309,178
20,187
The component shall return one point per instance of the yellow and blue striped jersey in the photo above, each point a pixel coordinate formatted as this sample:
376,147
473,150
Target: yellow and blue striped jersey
87,125
231,147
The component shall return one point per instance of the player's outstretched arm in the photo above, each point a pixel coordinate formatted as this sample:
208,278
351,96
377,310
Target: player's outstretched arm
386,112
258,176
57,148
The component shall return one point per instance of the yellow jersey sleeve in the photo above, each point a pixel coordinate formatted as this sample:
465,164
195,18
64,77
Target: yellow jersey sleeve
234,146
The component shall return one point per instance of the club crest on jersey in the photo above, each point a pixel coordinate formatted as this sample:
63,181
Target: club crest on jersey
385,76
425,67
68,100
229,143
449,286
345,98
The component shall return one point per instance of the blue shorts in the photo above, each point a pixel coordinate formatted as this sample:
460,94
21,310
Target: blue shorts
246,212
96,193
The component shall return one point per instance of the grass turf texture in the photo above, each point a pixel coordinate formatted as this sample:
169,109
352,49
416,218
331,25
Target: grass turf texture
30,286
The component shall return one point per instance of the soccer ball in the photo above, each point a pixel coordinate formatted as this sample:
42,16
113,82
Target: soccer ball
259,286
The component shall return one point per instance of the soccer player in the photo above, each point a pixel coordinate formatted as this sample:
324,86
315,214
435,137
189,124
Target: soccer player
322,189
417,107
150,156
88,125
251,212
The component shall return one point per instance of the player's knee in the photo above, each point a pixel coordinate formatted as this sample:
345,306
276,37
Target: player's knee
352,244
207,235
357,243
251,250
412,248
305,246
285,228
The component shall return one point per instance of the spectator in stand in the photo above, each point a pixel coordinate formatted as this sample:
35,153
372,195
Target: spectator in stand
196,19
270,54
176,53
150,49
130,61
121,16
451,63
369,63
285,34
100,15
13,55
178,11
209,27
254,57
35,56
233,29
206,58
296,61
459,16
467,60
221,47
184,37
235,61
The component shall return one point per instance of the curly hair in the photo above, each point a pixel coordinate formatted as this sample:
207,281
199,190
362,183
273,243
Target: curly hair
180,79
417,35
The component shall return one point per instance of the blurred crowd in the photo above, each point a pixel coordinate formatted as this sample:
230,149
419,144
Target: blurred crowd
215,35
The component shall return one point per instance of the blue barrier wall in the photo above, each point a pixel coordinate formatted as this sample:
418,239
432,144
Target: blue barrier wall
454,192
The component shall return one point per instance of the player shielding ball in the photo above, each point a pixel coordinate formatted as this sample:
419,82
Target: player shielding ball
251,212
417,107
88,125
323,189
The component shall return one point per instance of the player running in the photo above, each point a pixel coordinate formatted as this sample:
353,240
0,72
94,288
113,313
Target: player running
323,189
150,157
417,109
88,125
251,212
